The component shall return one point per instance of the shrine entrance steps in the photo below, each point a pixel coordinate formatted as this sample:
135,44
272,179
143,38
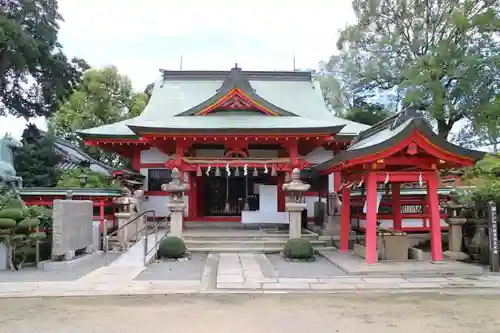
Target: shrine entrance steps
234,237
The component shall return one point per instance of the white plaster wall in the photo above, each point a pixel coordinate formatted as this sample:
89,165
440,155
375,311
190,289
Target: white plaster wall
331,178
158,203
153,155
319,155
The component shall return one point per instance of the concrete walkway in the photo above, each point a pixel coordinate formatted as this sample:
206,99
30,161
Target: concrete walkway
244,273
134,256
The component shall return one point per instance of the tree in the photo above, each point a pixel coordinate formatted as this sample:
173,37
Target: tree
104,97
366,113
35,75
437,53
36,162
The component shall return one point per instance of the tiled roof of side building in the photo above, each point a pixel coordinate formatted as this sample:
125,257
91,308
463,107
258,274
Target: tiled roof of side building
181,91
391,131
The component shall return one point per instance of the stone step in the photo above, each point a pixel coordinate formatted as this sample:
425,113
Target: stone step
243,238
245,244
237,249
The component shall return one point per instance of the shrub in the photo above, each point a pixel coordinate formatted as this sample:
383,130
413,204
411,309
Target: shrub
171,247
298,249
6,223
30,223
12,213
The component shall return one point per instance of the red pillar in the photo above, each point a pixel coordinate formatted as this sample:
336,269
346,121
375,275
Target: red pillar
435,219
371,219
396,205
345,224
281,193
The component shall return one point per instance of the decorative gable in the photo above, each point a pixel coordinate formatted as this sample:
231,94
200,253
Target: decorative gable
236,100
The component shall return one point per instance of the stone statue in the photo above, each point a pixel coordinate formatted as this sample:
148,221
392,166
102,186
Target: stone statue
7,172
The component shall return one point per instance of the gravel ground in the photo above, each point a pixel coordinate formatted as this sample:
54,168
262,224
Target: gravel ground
259,314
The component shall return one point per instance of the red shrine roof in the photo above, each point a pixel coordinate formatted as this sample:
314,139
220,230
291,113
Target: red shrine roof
231,101
406,133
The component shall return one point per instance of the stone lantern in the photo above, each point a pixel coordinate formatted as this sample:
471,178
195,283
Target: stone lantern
455,220
295,202
176,204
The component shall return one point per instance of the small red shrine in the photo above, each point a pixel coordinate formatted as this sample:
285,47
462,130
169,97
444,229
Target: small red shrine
401,149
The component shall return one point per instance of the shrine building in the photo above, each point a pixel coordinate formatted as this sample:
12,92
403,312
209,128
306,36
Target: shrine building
236,136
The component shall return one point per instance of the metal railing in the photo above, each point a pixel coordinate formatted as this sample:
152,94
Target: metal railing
136,219
157,241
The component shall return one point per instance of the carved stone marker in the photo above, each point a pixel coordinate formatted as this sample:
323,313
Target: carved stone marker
295,203
72,228
176,205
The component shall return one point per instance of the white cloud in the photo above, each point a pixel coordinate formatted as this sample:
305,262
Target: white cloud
139,37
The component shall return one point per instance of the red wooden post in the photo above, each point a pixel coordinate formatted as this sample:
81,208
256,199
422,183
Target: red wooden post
345,224
435,218
281,193
101,214
396,205
371,219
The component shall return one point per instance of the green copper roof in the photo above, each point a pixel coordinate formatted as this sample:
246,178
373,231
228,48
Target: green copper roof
179,91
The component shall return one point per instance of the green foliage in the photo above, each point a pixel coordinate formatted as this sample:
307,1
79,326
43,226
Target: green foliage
71,178
12,213
41,213
442,56
35,75
36,162
28,224
171,247
298,248
104,97
365,113
9,199
485,177
7,223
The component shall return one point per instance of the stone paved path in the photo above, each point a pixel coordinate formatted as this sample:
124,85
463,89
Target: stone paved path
242,273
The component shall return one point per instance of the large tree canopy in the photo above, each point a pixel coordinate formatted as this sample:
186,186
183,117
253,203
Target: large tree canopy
36,161
439,54
35,75
103,97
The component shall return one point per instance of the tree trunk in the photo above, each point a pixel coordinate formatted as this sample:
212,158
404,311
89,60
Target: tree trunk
443,129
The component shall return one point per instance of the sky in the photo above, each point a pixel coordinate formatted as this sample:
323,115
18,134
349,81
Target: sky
140,37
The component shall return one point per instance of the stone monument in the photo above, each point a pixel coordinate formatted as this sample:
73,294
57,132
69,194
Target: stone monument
295,202
72,228
176,204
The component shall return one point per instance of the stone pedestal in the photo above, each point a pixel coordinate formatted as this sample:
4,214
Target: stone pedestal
124,234
176,217
176,204
455,238
295,209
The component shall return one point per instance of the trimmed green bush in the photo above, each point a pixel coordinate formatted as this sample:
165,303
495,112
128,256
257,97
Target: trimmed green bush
171,247
298,249
37,235
6,223
12,213
28,224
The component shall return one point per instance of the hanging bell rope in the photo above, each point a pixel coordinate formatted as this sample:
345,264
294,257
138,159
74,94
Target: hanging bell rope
208,170
265,169
245,170
236,172
227,207
228,170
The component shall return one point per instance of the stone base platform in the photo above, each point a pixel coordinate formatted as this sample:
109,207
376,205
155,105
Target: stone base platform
354,265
